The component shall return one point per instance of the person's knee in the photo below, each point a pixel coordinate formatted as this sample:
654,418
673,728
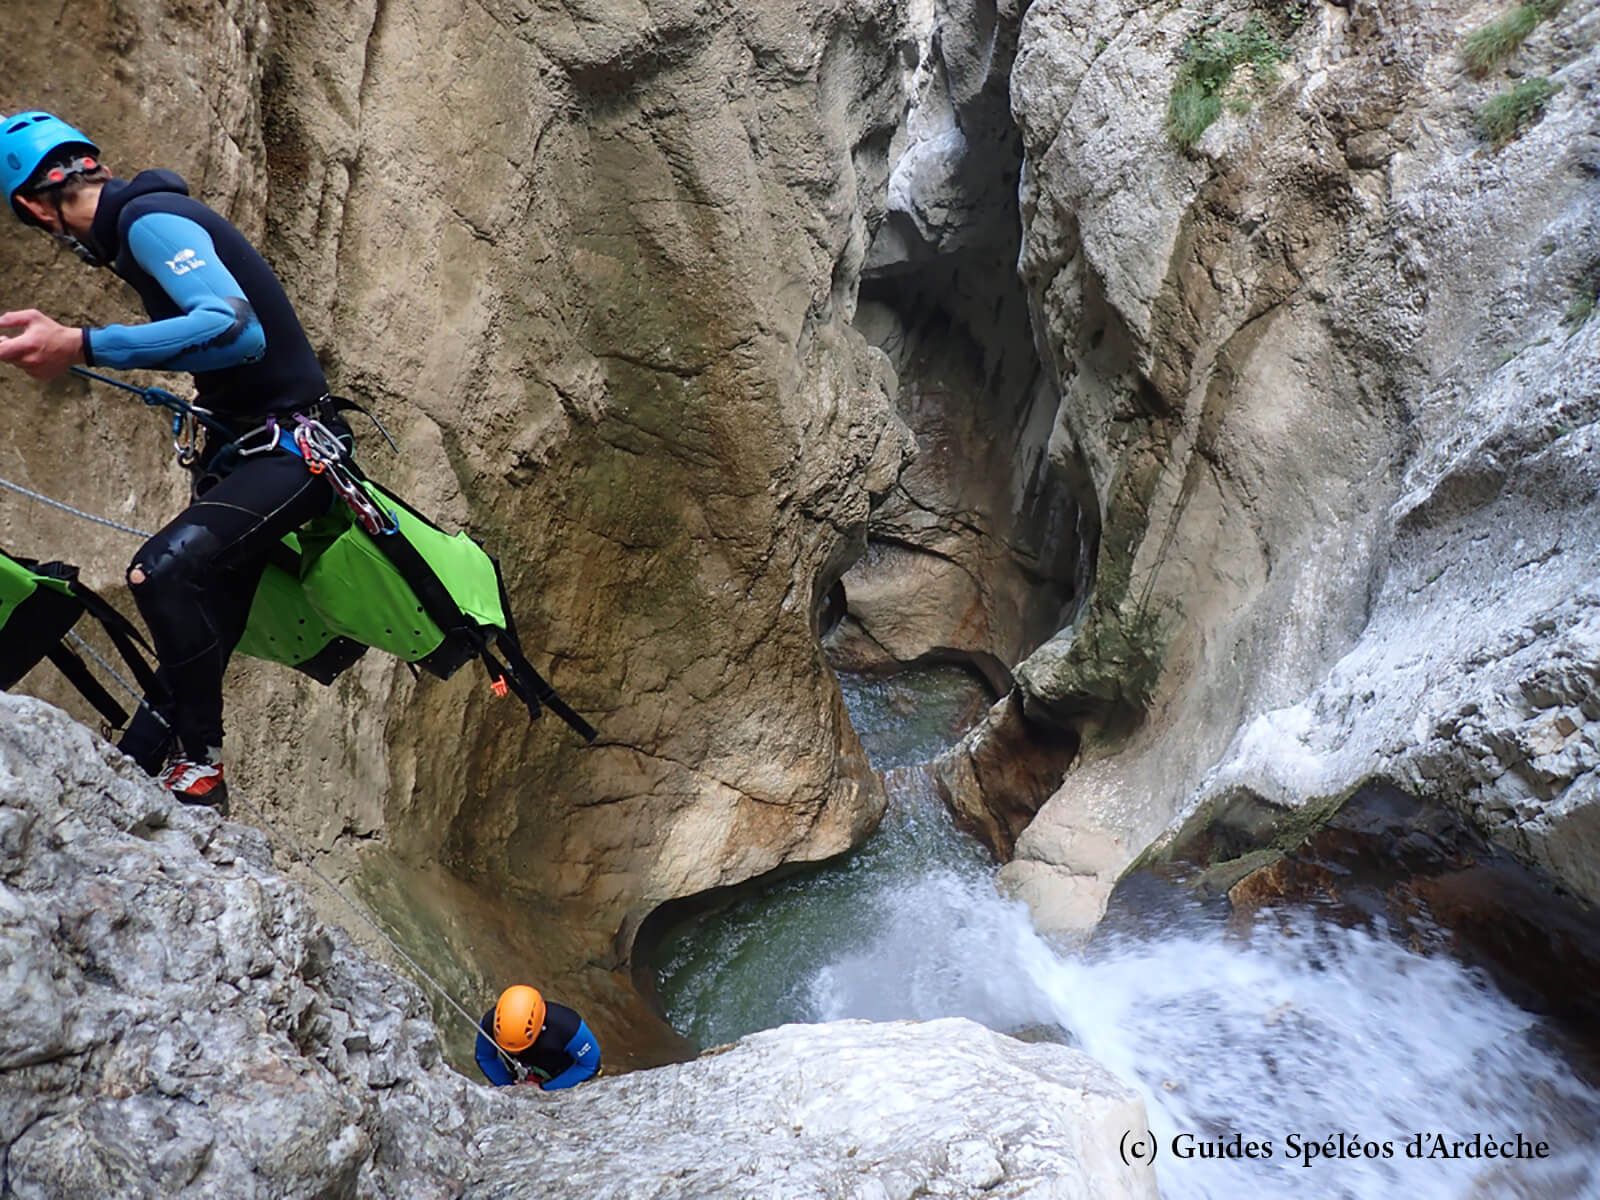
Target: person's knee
172,560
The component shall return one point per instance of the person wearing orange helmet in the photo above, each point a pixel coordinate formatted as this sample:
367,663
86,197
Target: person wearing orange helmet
525,1039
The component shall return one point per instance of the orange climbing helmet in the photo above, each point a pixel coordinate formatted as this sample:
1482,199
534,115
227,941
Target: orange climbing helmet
518,1017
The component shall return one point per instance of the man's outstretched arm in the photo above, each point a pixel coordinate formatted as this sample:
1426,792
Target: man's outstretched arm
44,348
217,327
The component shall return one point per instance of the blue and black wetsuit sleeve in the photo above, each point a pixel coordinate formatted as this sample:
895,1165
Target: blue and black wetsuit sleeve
584,1050
490,1062
217,327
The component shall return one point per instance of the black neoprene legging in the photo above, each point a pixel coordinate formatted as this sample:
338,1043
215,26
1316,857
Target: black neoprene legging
199,577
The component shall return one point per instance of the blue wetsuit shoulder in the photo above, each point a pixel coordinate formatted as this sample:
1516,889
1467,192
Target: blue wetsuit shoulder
216,326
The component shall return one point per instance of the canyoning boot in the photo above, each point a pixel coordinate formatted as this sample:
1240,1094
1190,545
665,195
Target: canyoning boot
193,782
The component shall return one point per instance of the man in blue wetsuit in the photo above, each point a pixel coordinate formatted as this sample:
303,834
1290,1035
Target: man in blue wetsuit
217,310
522,1039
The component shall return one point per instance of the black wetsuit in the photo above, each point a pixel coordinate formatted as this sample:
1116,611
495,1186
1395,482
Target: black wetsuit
565,1053
217,310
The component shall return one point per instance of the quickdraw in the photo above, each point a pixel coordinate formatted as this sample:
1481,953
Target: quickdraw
325,455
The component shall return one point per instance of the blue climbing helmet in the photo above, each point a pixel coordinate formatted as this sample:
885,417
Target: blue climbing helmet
28,141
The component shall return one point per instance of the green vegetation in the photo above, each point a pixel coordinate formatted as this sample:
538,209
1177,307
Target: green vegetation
1209,61
1582,308
1487,48
1296,12
1493,45
1508,114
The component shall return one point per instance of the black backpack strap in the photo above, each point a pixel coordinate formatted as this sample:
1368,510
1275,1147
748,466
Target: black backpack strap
127,639
516,673
70,665
121,631
530,686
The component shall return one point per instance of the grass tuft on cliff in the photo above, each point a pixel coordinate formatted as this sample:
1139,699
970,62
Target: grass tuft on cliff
1505,116
1208,64
1583,306
1493,44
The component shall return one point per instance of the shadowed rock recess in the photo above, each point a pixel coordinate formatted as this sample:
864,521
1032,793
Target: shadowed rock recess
974,556
178,1024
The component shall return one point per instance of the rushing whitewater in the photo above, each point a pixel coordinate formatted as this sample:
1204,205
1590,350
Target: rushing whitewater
1295,1027
1301,1028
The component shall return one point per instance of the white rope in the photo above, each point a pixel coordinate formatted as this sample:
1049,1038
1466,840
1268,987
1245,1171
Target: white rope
77,640
77,512
306,861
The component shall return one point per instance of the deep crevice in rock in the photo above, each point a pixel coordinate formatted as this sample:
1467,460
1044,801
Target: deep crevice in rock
975,554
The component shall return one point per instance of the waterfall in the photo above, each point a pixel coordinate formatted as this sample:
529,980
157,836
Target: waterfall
1295,1027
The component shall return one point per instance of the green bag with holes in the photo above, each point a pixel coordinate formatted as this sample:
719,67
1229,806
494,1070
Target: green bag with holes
284,627
336,592
426,596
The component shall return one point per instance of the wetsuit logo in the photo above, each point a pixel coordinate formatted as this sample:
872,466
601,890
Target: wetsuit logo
185,261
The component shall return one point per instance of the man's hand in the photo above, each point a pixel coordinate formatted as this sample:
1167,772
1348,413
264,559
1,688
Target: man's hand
44,348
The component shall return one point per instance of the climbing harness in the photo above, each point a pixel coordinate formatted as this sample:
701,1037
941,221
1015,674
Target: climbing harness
375,573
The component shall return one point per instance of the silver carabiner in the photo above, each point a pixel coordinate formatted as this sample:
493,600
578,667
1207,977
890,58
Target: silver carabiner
185,439
313,437
271,429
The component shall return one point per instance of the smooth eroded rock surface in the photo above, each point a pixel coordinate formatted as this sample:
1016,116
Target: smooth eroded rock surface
1329,379
594,264
179,1025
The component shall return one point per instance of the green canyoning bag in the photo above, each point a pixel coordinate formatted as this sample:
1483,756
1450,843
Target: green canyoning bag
429,598
39,605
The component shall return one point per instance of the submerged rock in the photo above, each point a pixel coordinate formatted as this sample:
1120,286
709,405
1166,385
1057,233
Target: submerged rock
179,1024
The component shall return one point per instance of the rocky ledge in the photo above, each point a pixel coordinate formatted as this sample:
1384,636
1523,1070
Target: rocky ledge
179,1024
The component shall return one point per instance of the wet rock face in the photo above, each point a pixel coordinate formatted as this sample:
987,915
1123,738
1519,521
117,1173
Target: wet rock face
595,267
1423,870
1339,432
997,780
179,1024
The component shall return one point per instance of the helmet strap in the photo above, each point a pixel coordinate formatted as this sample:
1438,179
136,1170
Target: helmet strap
67,238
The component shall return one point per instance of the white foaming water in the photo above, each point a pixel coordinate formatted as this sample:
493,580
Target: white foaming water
1298,1027
1301,1027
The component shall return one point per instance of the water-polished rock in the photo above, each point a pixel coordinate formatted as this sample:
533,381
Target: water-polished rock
1329,373
178,1024
852,1110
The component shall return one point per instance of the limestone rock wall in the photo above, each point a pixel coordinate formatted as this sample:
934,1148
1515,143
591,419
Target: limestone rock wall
179,1025
975,554
594,265
1338,413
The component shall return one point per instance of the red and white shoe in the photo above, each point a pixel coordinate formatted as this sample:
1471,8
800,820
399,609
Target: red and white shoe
197,783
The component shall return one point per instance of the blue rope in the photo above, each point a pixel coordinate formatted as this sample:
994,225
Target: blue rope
158,398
